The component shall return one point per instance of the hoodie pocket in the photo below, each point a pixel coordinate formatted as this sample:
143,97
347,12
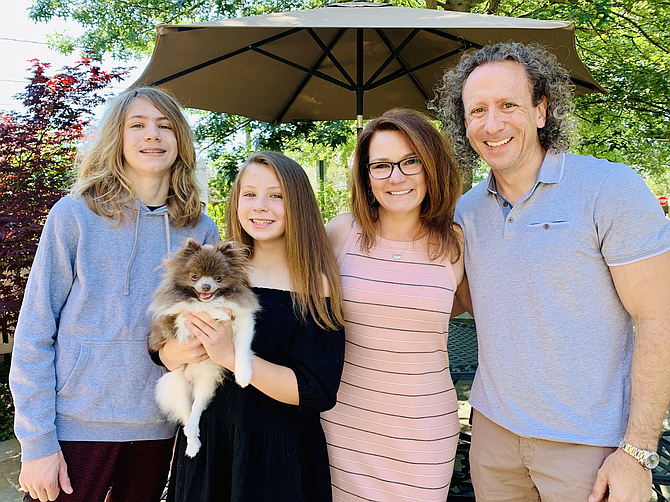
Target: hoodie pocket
111,382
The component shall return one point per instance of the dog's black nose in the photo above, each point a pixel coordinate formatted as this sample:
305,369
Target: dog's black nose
205,288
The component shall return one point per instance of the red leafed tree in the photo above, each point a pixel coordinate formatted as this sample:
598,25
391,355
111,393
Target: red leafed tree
37,151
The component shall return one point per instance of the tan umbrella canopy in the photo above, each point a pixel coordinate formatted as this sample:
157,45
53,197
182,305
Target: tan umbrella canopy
335,62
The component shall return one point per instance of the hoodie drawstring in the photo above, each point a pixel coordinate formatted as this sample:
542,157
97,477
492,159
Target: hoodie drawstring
166,219
126,287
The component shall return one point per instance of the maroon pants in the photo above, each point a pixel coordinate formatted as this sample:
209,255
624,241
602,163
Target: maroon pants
135,471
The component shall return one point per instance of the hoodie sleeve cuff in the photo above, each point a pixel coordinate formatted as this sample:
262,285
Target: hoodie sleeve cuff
156,358
39,446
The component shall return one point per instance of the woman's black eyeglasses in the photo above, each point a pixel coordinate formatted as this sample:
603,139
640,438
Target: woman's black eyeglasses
383,170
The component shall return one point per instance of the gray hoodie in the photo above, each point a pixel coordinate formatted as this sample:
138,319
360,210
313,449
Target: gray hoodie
80,367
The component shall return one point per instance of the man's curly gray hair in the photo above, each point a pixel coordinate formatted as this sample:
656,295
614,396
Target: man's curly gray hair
546,77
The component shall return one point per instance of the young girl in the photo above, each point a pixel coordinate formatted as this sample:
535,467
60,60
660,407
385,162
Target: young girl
265,442
82,380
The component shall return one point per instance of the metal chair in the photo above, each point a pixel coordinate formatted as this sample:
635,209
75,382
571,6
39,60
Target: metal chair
661,475
461,485
462,346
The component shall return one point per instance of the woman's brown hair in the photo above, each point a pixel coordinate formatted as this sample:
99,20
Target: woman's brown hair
443,182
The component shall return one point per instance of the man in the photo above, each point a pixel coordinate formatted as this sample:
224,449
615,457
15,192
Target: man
564,255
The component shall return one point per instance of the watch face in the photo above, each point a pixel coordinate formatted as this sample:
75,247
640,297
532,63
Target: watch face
651,460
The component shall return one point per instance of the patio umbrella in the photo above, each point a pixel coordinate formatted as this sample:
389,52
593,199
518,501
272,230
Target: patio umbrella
341,61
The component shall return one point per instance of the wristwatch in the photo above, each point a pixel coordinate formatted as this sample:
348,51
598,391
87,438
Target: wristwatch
647,459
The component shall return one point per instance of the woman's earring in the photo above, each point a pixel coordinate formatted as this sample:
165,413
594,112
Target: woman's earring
371,197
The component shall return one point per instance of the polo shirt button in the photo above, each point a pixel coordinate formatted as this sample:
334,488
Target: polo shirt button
510,220
545,226
505,204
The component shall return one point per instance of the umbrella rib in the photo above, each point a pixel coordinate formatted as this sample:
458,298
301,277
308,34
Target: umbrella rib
587,85
301,86
395,53
223,57
467,44
309,71
401,73
327,52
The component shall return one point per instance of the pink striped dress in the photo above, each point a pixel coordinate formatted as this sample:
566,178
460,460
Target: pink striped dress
394,430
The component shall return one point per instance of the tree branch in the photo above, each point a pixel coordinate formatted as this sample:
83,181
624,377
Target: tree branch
642,31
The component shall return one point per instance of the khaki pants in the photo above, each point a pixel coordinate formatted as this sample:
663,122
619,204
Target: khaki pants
507,467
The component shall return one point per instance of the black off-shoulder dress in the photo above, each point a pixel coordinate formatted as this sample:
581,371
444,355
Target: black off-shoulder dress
254,448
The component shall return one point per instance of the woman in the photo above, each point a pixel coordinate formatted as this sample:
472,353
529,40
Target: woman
264,442
82,380
394,431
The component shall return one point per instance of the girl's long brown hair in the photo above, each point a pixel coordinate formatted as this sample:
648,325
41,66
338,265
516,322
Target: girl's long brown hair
308,252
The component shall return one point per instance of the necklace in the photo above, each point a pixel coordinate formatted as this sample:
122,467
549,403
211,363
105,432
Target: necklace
395,252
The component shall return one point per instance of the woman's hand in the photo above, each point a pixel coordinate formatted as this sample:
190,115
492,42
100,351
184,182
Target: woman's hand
174,354
215,335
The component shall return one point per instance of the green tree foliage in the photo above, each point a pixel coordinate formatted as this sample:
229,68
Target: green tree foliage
625,43
227,140
626,46
6,402
127,28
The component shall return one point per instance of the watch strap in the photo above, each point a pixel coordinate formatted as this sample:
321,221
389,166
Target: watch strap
637,453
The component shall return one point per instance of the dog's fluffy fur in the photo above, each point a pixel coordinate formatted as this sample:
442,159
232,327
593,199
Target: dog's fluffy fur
199,280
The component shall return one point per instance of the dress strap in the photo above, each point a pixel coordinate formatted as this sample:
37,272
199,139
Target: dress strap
450,270
354,233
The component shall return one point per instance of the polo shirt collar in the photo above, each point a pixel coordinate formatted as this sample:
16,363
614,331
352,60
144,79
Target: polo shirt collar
551,171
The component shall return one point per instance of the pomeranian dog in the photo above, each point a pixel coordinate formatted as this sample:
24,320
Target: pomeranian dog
201,279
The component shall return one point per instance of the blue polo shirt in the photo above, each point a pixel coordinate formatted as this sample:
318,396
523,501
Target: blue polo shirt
555,342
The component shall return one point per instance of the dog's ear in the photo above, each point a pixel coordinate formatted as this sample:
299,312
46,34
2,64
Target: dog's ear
190,247
234,251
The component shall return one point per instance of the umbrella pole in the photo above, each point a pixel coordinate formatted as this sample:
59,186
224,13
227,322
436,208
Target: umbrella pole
359,81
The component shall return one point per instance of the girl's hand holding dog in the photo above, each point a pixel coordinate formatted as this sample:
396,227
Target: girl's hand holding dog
216,337
174,354
278,382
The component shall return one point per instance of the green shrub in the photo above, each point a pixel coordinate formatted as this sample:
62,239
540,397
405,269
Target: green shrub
6,402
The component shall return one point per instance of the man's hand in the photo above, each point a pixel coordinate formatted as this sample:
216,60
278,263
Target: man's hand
44,478
626,479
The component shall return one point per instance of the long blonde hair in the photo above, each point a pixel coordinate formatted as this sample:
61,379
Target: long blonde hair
443,181
102,182
309,255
